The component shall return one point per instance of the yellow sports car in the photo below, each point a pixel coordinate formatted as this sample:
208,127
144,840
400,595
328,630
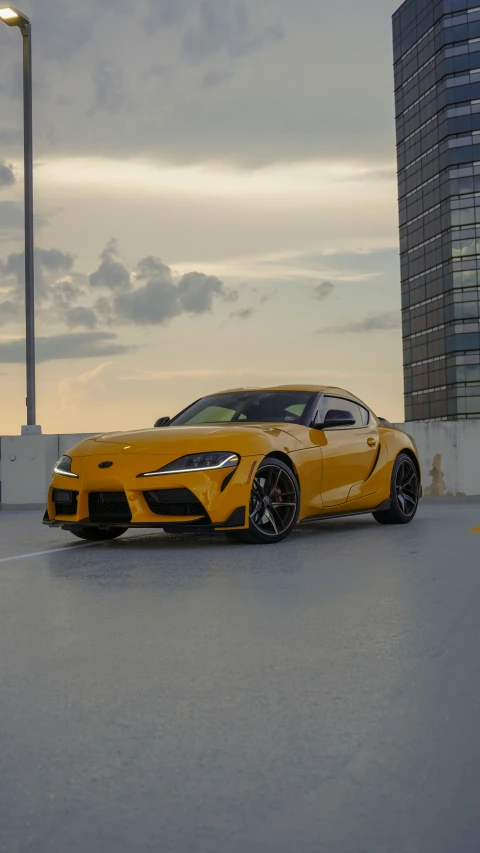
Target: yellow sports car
251,462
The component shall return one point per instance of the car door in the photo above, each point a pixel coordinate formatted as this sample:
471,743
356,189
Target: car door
348,453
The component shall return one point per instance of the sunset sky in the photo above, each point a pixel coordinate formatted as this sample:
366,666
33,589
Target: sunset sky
215,191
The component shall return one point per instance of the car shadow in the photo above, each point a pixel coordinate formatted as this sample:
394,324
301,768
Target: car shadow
364,522
154,558
191,541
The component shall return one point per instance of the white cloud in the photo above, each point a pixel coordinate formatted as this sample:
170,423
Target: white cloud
239,373
75,391
380,322
310,179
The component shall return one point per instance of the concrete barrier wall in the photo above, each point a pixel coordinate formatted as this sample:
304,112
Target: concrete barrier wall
26,464
449,455
26,469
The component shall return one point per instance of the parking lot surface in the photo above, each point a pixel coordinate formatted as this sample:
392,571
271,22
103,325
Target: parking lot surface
186,695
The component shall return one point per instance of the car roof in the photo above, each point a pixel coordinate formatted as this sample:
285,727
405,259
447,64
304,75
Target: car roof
313,389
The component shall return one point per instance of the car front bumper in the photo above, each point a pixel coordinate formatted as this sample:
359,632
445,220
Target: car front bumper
209,500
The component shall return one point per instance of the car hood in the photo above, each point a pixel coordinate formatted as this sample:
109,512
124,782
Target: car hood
168,441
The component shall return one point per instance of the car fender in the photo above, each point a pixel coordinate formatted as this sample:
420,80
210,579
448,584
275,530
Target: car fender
395,441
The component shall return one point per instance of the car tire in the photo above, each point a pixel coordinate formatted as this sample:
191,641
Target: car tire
273,482
404,493
97,534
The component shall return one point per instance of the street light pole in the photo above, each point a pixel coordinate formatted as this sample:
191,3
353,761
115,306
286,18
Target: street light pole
14,18
29,240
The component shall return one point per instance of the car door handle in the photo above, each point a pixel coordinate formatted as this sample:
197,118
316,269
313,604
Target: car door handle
372,442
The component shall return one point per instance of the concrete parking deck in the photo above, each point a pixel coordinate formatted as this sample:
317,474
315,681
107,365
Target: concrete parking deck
192,696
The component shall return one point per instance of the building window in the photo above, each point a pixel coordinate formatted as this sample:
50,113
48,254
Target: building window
470,46
462,18
462,248
463,79
468,406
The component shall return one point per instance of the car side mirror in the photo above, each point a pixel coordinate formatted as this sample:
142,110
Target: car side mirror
336,418
161,422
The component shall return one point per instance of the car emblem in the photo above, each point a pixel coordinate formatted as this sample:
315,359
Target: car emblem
105,464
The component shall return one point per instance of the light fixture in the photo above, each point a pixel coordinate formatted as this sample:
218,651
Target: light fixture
64,467
13,17
196,462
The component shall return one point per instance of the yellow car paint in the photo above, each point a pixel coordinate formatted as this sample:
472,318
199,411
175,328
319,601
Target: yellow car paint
339,470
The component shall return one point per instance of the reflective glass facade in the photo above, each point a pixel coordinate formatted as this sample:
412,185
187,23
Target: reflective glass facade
437,104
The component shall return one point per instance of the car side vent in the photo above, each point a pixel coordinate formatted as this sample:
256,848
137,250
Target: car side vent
179,502
65,502
109,507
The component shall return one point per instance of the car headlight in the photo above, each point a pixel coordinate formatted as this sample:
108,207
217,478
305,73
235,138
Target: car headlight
197,462
64,467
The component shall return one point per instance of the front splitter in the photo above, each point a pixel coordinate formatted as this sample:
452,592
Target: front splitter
236,520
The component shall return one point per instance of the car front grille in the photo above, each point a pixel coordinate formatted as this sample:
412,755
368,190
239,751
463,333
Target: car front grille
109,507
65,502
179,502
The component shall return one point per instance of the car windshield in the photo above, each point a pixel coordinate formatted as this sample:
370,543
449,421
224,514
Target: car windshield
247,407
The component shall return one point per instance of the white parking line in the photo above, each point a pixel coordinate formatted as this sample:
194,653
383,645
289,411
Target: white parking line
52,551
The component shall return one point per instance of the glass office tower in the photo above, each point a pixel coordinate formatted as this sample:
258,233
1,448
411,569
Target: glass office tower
437,99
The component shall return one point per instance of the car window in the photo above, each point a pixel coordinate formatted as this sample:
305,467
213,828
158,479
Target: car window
248,406
338,403
296,410
213,414
365,415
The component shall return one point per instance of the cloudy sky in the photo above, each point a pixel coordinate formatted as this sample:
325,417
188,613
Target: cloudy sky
215,205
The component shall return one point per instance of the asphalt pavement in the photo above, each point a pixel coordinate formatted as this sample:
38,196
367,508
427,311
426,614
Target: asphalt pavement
189,695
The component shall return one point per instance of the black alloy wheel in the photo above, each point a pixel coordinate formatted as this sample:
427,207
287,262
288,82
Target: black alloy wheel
404,493
98,534
274,504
